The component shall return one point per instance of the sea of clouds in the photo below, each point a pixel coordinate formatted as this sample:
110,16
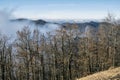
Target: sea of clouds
9,27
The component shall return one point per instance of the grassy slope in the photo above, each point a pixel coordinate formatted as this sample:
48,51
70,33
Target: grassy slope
113,74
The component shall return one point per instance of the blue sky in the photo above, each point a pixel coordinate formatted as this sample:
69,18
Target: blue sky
62,9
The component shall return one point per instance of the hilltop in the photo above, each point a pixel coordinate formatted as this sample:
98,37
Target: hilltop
111,74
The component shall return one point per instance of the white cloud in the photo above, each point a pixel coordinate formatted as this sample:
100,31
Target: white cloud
10,28
64,15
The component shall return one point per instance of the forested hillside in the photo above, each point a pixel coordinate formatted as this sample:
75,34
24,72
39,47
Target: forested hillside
64,55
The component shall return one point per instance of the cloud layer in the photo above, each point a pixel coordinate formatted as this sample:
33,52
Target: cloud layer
11,27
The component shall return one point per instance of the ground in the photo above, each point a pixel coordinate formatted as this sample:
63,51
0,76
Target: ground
111,74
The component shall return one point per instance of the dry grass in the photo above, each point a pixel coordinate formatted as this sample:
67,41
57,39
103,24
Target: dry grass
112,74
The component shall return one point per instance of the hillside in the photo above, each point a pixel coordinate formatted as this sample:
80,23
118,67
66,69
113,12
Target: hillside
112,74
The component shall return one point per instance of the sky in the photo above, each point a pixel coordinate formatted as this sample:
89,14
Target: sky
61,9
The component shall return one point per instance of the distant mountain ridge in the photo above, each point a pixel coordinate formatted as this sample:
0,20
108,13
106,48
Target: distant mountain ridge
43,22
84,27
37,22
